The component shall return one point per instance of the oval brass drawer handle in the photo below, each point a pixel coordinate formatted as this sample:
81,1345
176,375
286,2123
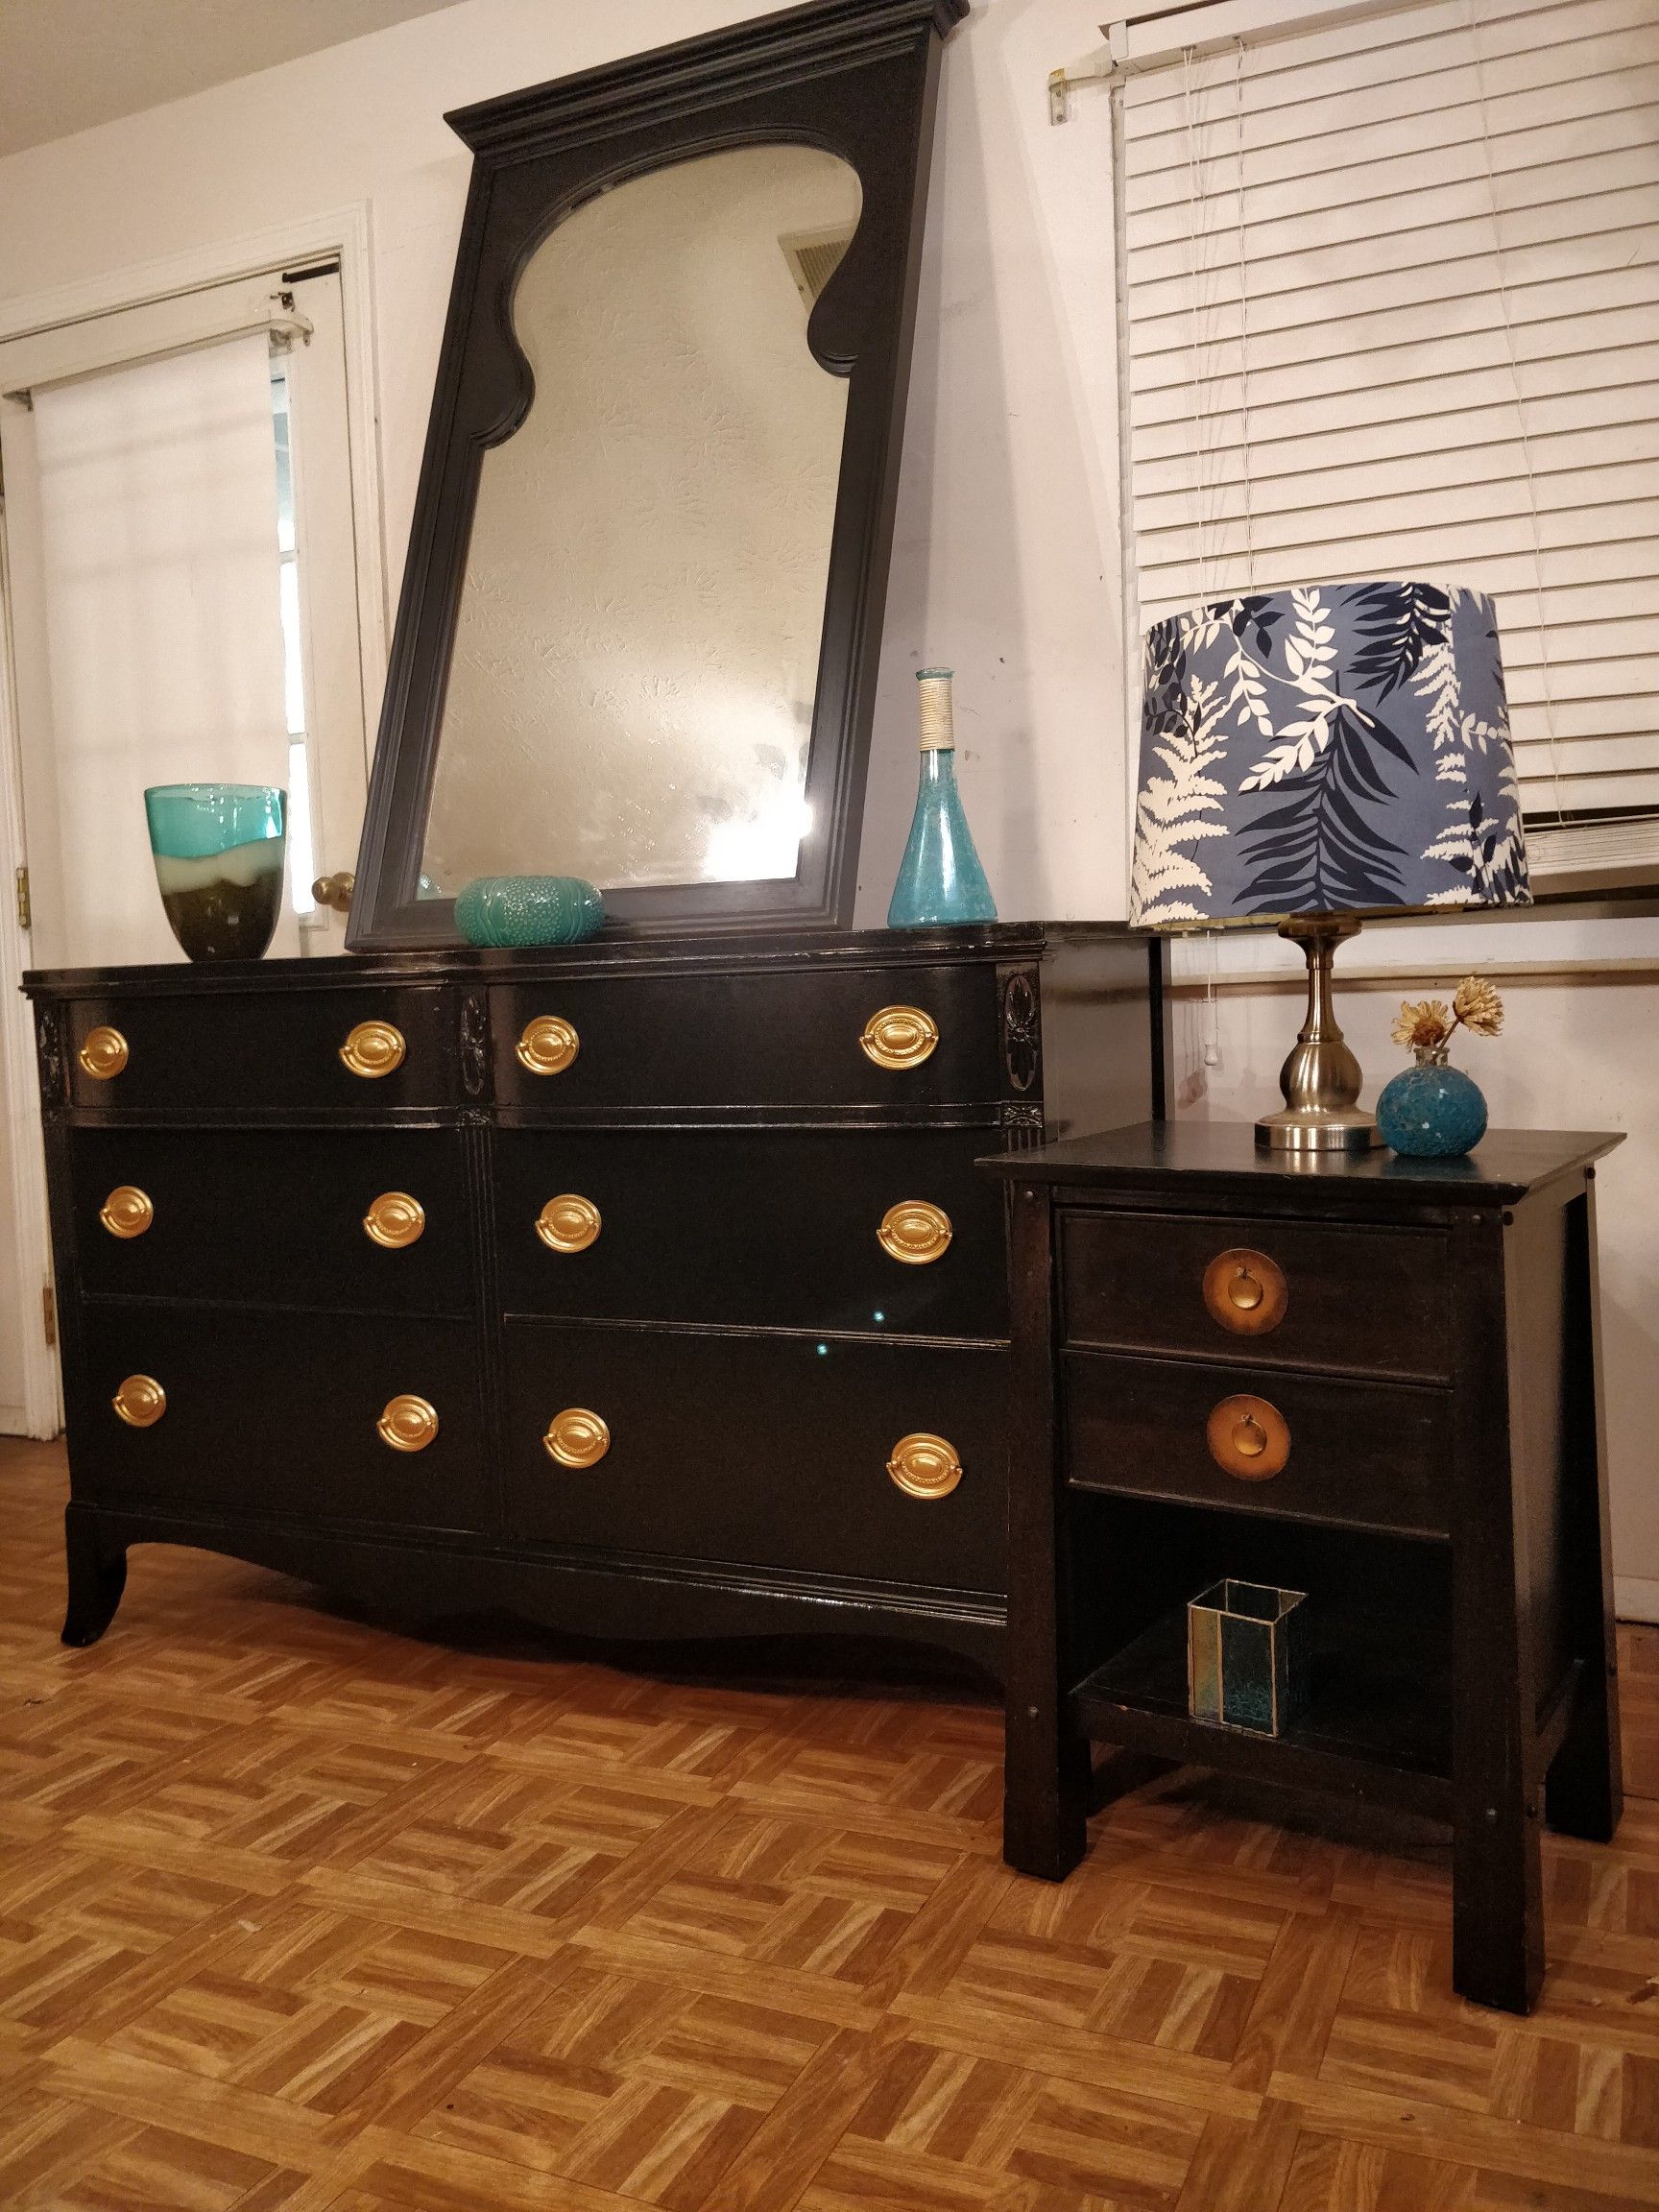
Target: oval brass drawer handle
140,1401
577,1437
915,1232
1248,1438
924,1466
128,1212
899,1037
395,1219
374,1049
568,1223
104,1052
548,1044
408,1424
1245,1292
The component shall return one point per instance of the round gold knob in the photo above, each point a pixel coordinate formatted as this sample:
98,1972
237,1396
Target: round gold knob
914,1232
408,1424
395,1219
374,1049
568,1223
1245,1292
924,1466
1248,1438
140,1401
577,1437
127,1211
899,1037
548,1044
335,891
104,1052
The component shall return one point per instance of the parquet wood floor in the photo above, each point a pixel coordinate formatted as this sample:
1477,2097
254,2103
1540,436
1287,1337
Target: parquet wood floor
299,1912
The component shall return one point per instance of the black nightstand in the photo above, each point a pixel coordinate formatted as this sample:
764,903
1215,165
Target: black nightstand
1419,1339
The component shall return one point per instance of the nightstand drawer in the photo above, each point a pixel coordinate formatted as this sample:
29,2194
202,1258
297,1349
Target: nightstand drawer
903,1037
882,1462
1372,1301
273,1415
1359,1454
886,1231
361,1051
354,1220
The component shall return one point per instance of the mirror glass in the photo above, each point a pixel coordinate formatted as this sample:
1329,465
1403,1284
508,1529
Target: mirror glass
631,690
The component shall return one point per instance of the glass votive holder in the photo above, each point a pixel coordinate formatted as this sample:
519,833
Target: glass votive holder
218,852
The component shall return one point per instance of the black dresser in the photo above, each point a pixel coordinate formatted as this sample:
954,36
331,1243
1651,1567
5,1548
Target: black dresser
644,1290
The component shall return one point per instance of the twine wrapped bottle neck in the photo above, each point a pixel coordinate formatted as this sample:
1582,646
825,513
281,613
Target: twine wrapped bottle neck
933,697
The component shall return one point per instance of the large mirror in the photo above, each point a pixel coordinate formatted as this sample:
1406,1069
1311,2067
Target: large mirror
642,605
635,653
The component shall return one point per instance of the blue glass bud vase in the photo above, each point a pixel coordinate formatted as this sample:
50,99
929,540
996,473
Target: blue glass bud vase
1431,1110
940,879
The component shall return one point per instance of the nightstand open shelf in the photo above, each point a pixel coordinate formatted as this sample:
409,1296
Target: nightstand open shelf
1374,1728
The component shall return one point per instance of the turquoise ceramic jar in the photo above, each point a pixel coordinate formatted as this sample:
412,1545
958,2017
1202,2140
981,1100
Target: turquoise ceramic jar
219,850
518,910
1431,1110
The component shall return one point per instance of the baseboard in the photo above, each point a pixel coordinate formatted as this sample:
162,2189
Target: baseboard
1636,1597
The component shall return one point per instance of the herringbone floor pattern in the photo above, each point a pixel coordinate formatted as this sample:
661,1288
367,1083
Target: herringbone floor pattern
299,1912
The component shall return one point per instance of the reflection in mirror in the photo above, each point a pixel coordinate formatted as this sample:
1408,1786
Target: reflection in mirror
631,690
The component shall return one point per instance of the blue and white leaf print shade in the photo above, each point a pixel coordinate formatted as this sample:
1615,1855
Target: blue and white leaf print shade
1331,749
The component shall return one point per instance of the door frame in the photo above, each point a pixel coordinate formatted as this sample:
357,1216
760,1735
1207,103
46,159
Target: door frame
342,233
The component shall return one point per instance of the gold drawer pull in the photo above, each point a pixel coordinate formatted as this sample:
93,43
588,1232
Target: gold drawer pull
548,1044
1245,1292
103,1053
568,1223
127,1211
914,1232
577,1437
924,1466
374,1049
899,1037
1248,1438
395,1219
408,1424
140,1401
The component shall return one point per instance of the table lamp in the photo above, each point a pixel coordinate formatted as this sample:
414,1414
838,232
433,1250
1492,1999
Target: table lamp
1312,756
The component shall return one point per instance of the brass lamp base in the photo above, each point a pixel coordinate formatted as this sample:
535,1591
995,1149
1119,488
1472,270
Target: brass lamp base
1321,1077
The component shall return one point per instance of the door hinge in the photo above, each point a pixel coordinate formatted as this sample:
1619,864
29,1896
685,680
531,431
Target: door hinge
25,912
49,1314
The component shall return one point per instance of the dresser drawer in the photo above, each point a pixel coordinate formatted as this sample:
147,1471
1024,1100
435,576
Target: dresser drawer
1366,1454
907,1037
354,1220
769,1451
781,1229
272,1415
1269,1292
357,1050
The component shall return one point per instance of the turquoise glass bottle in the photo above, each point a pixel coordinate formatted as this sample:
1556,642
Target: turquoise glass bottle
940,879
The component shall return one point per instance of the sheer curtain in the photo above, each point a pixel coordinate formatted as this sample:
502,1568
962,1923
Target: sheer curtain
159,595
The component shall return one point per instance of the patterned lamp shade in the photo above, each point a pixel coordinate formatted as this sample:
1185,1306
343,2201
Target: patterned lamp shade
1334,749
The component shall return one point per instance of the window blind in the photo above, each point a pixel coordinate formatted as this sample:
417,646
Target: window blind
1390,289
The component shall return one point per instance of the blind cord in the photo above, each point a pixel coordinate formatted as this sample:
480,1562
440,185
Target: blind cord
1243,321
1538,587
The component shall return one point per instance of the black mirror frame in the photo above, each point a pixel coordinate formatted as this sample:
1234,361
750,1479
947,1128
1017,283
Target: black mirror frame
857,78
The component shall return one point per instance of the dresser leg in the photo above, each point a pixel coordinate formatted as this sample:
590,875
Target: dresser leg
97,1577
1046,1798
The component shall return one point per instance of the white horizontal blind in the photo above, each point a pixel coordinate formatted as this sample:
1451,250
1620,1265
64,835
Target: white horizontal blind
1378,275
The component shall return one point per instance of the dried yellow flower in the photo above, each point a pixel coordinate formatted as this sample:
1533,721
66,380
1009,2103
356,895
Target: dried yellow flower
1478,1006
1422,1025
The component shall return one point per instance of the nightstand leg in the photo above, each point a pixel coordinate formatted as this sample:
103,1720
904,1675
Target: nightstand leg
1046,1764
1583,1792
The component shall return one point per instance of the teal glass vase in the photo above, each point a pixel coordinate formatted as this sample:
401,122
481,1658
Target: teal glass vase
1431,1110
219,851
940,879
